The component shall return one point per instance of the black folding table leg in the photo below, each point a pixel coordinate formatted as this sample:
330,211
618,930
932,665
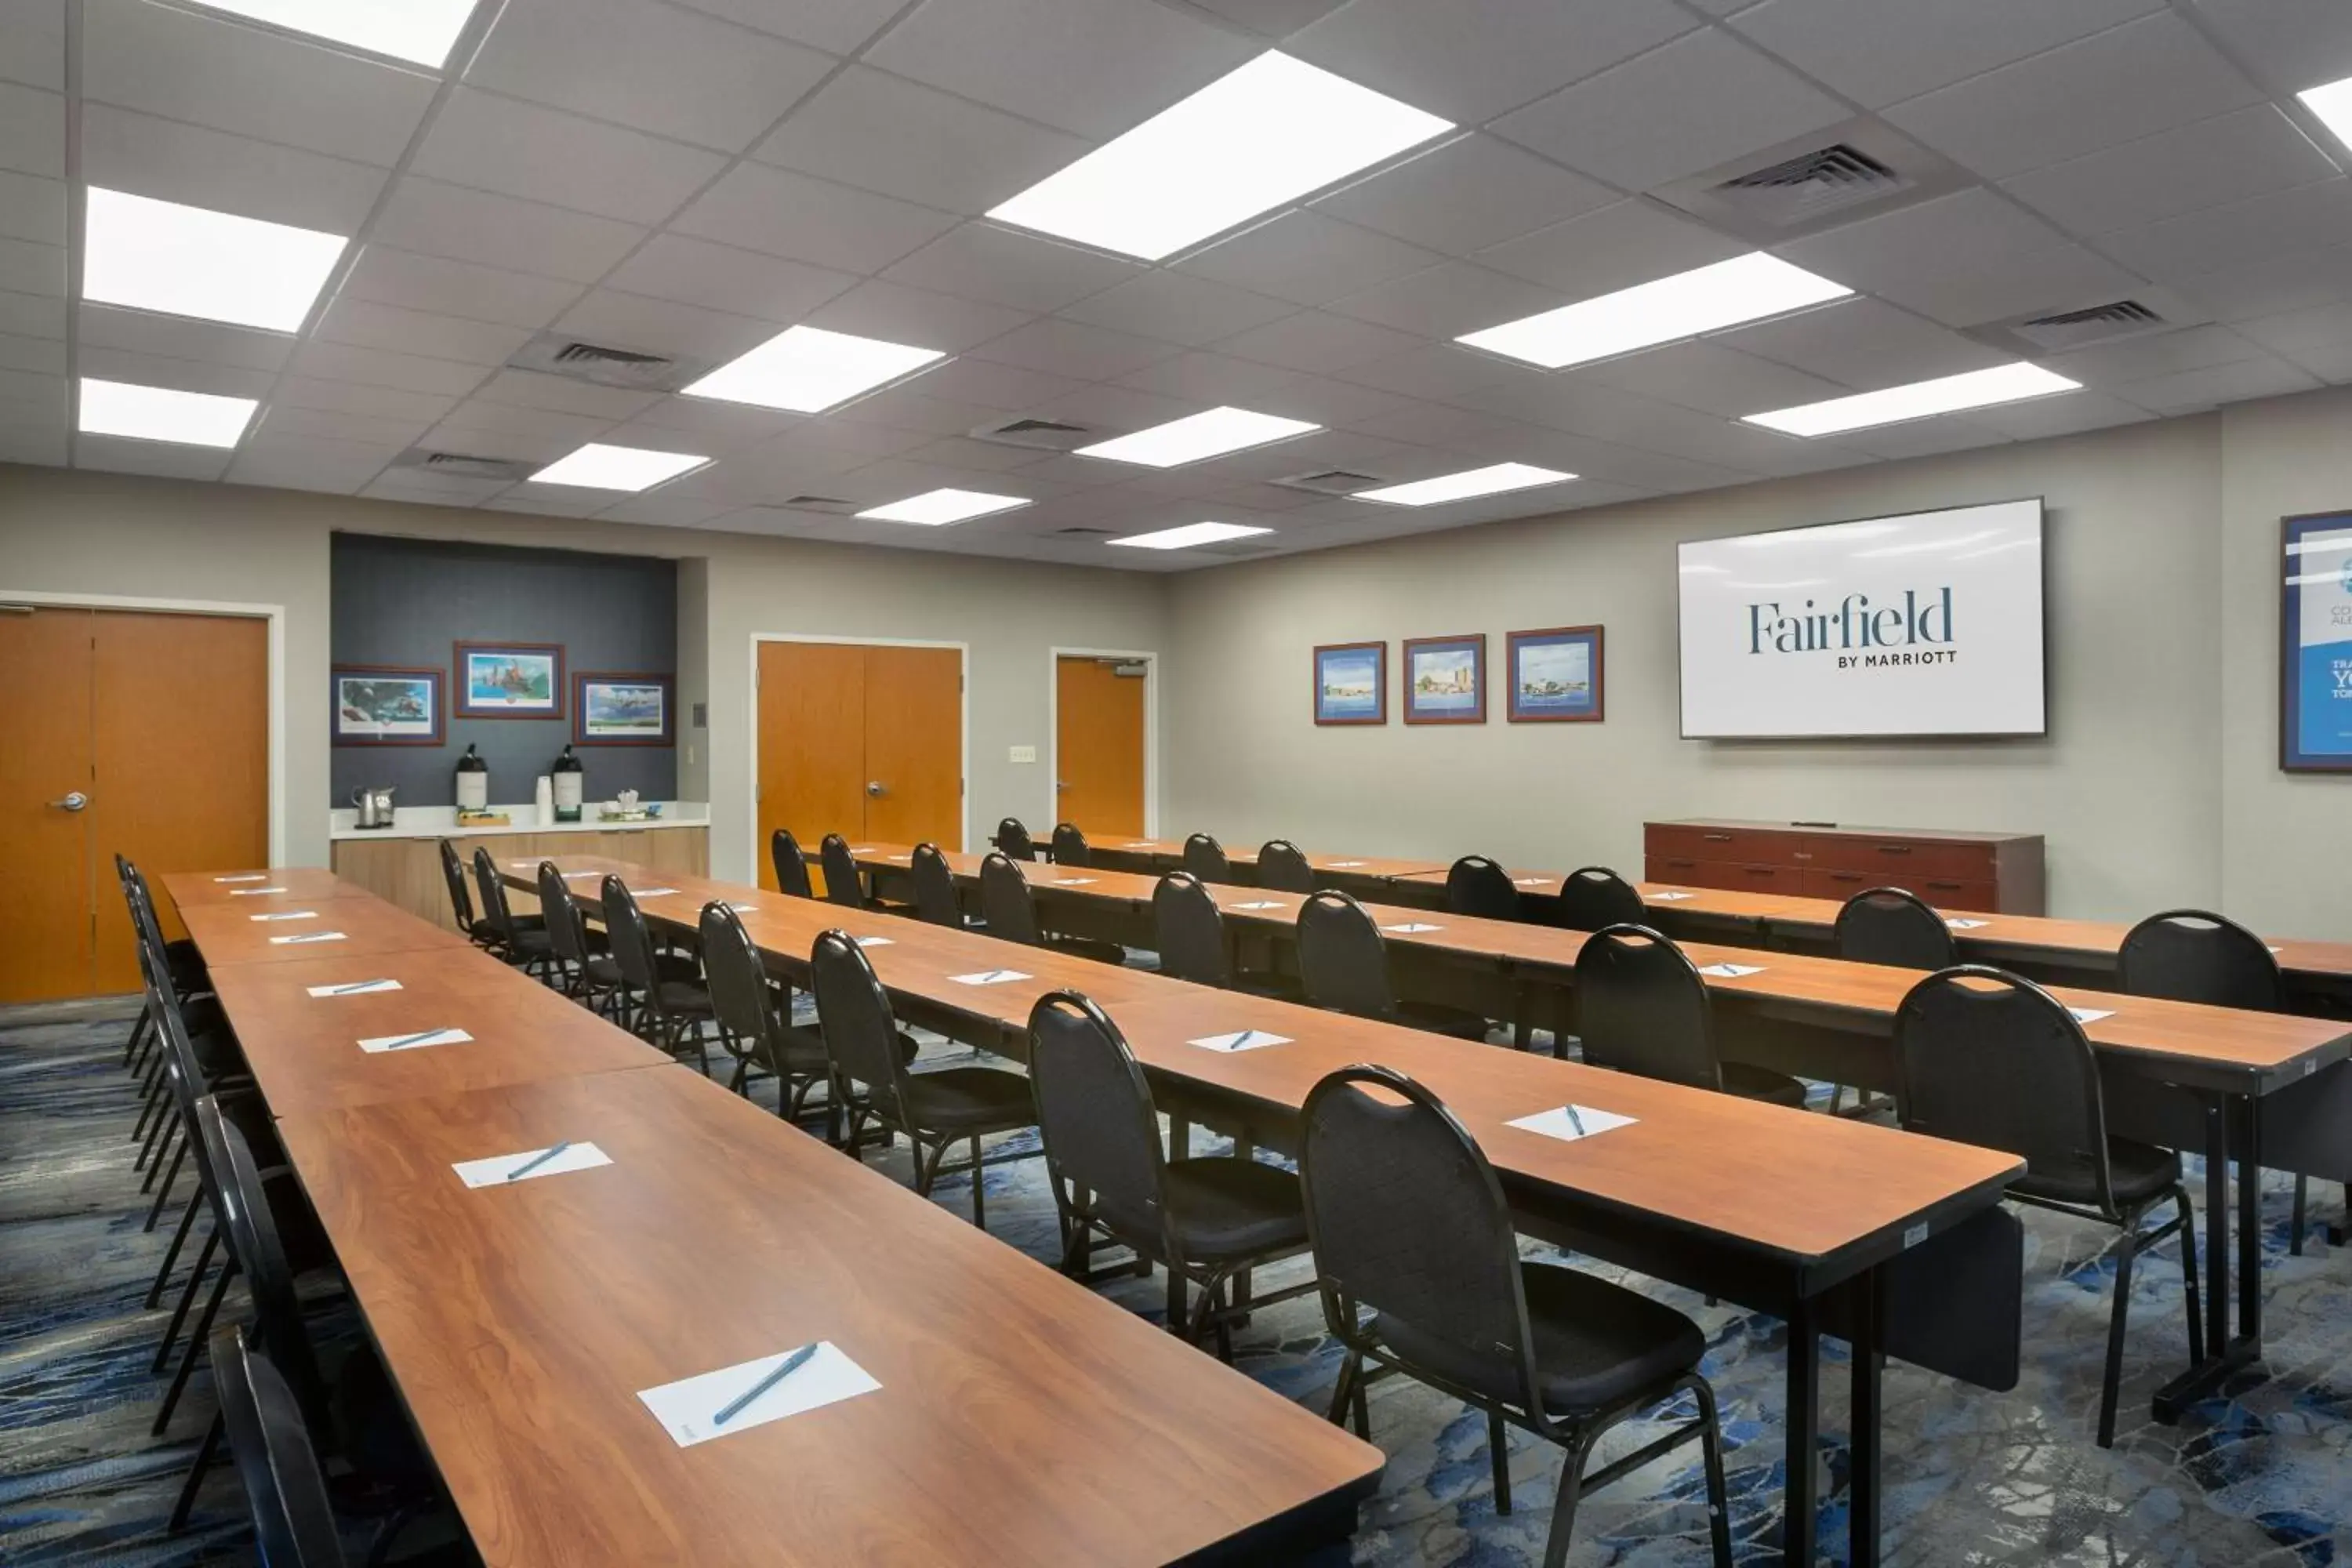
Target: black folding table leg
2230,1122
1800,1526
1863,1508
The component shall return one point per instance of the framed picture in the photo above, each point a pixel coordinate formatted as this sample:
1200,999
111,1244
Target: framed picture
379,705
1445,679
1351,683
510,681
612,709
1555,676
2315,643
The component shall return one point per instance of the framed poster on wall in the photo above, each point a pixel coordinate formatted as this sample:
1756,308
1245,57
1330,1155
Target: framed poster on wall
1445,679
383,705
1351,683
1555,676
2315,643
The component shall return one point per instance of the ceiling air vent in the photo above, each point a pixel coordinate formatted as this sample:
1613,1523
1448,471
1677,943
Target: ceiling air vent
557,353
464,466
1332,482
1082,531
1040,434
1824,179
1797,191
820,503
2099,324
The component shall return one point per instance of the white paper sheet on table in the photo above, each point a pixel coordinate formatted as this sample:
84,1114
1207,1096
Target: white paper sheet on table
1345,865
2090,1014
684,1407
1569,1122
305,937
286,915
256,893
245,877
1669,898
1731,971
1246,1040
989,977
355,988
651,892
414,1039
745,908
875,942
1529,881
1411,927
494,1171
1966,925
1258,904
1074,881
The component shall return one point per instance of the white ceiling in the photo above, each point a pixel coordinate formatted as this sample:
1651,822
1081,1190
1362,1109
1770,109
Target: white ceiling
687,177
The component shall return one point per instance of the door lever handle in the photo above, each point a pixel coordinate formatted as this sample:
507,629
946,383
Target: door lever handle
74,801
874,788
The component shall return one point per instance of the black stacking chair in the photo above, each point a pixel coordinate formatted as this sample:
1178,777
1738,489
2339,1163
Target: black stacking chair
1595,896
1889,925
1012,838
1070,846
1478,887
1420,1275
1641,1007
1010,910
479,932
521,939
1989,1058
934,1110
1282,867
845,884
580,965
1343,965
658,1003
1191,932
935,889
1206,859
791,866
1204,1220
213,1061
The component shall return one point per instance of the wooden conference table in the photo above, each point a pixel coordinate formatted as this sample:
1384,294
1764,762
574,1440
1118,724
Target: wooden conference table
1805,1217
2234,1083
1021,1417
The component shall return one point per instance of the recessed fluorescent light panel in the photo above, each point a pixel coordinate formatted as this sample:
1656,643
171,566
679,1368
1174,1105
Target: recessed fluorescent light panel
421,31
1920,400
597,466
189,261
1191,534
806,369
936,509
1198,436
2332,104
1265,134
1471,482
161,414
1667,309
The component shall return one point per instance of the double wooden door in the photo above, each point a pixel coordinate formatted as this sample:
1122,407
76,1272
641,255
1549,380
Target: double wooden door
120,732
1098,744
863,740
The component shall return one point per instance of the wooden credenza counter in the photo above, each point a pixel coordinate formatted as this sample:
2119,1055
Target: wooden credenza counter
406,870
2000,873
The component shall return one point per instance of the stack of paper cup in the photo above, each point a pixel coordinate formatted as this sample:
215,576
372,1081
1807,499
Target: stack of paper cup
546,799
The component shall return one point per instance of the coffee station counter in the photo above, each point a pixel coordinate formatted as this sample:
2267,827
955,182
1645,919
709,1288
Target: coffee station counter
441,821
402,862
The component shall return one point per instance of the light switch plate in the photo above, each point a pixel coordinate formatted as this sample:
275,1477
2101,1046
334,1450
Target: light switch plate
1025,754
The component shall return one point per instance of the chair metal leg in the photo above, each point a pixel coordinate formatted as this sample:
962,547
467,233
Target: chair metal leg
138,1033
1718,1499
1498,1449
2189,1288
164,1193
187,1299
186,1504
171,1253
979,1186
173,1135
2294,1226
1563,1508
146,1130
2114,1369
195,1348
1350,1370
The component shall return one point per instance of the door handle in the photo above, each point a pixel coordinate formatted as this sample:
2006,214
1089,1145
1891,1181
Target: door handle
74,801
1061,784
874,788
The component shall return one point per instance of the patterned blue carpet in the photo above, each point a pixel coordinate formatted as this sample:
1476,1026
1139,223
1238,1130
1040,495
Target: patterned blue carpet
1973,1479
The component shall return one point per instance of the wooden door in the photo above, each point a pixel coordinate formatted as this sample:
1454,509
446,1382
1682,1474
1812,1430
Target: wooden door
914,746
1099,745
812,745
46,664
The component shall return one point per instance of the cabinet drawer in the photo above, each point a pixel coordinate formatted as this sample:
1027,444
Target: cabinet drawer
1904,861
1959,895
1687,871
1821,883
1742,846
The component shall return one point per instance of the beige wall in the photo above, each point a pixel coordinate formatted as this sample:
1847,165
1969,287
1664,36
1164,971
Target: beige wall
64,532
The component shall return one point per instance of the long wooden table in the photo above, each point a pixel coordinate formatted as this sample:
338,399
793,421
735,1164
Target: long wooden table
1793,1214
2185,1075
360,926
1051,1428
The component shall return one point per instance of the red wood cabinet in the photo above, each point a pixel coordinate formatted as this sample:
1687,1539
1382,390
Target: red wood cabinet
1996,872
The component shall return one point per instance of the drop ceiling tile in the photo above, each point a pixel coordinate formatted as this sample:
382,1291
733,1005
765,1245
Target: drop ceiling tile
2330,362
1470,59
27,393
376,367
33,43
882,132
1092,67
1703,99
2300,332
1924,438
1212,379
716,427
350,397
2114,87
697,272
898,314
1436,370
551,501
2299,43
30,268
207,70
1464,196
987,385
838,26
1177,309
2067,415
359,429
414,487
2227,159
663,510
676,73
906,407
1962,233
31,444
364,325
1712,379
1074,349
2144,359
1879,52
1864,344
1109,407
32,131
1318,341
157,158
2042,283
337,467
32,208
2309,218
35,356
1308,259
560,395
182,337
384,276
2190,390
801,218
978,458
1614,248
181,374
1447,301
483,429
1001,267
2287,280
32,315
542,155
161,459
663,327
1327,401
464,225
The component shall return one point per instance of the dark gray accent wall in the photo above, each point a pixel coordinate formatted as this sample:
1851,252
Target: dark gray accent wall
409,601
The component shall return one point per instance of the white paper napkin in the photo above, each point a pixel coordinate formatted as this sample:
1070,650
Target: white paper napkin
1247,1040
1569,1122
494,1171
415,1038
355,988
685,1408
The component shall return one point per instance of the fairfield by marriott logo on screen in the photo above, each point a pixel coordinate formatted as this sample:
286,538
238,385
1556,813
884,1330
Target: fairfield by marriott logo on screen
1917,630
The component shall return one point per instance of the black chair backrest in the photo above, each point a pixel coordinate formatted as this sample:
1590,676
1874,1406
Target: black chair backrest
1192,933
1406,1217
1012,837
1987,1057
1070,846
567,928
154,962
935,888
1477,886
254,1242
1283,866
1343,963
1095,1114
2194,956
632,942
495,908
1641,1007
791,866
293,1522
1006,903
852,1011
740,996
453,872
1596,895
1206,859
1888,925
842,883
